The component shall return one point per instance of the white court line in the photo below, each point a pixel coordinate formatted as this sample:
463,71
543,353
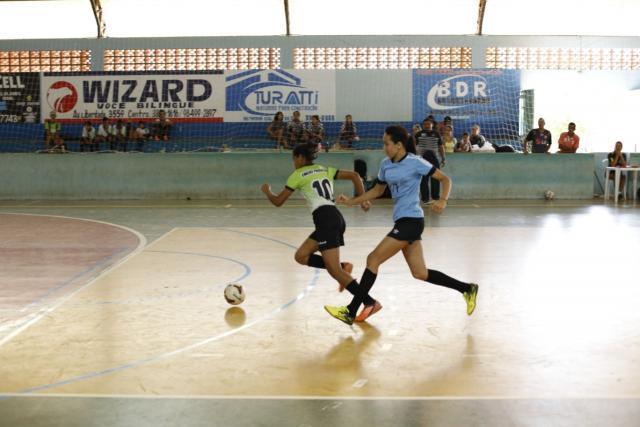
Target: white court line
142,242
307,397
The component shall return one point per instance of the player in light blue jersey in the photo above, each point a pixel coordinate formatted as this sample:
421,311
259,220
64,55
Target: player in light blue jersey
401,172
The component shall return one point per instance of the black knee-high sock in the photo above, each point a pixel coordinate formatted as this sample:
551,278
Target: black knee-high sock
367,281
317,262
357,290
438,278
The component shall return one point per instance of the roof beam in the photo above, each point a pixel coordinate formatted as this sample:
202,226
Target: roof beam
97,12
481,7
286,16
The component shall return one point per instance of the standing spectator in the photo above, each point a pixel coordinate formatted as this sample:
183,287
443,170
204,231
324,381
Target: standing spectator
617,159
295,130
162,127
540,139
315,133
140,136
430,147
448,139
569,141
463,146
119,135
276,130
51,131
348,132
443,125
87,140
104,134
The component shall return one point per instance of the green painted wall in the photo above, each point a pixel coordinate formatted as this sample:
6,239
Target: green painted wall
239,175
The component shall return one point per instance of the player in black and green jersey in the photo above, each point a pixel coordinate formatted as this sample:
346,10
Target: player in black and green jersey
316,183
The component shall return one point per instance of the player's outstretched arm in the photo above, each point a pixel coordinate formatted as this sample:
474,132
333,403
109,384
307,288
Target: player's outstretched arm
372,194
357,185
277,199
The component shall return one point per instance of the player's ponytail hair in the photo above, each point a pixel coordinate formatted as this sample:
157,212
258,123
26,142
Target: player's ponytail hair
308,151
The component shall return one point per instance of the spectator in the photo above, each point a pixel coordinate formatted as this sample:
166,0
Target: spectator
442,125
448,139
569,141
119,135
478,142
52,129
617,159
162,127
140,136
463,146
430,147
476,138
411,141
276,130
348,132
540,139
315,133
295,130
104,134
87,140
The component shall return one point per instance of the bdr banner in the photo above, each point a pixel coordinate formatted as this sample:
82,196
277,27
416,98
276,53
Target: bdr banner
190,96
257,95
489,98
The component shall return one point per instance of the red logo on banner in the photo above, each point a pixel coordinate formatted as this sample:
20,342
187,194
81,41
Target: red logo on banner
62,96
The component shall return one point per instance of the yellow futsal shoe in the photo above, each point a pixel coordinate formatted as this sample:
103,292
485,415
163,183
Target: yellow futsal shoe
470,298
340,313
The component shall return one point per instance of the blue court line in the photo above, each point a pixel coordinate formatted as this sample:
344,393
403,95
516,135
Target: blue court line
98,264
159,357
244,275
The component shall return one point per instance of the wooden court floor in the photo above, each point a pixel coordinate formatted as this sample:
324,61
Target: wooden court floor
557,321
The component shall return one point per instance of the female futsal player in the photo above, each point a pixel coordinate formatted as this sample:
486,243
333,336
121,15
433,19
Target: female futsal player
401,171
316,183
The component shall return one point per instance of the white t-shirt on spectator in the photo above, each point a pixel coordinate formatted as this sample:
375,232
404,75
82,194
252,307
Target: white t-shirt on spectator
88,133
104,131
142,132
122,131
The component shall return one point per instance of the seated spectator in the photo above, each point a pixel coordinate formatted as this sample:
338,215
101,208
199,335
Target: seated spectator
448,139
104,134
569,141
59,145
315,133
540,139
119,135
140,136
476,138
464,145
618,159
295,130
52,129
87,139
445,122
162,127
276,130
348,132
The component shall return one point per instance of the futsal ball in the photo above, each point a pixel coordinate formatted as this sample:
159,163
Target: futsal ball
234,294
549,195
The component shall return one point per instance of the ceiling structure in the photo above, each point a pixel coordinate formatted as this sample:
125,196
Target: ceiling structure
30,19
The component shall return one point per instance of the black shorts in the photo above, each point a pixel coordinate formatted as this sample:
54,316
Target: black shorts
407,229
330,227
